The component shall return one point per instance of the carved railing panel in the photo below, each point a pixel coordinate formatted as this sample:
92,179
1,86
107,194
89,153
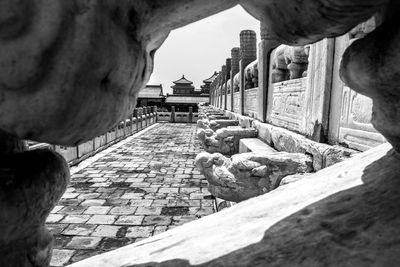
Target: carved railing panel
236,102
250,105
228,102
351,112
288,104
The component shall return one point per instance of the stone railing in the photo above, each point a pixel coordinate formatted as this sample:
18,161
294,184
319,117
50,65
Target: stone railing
182,117
140,119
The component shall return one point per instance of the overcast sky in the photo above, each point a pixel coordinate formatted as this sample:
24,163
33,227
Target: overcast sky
200,48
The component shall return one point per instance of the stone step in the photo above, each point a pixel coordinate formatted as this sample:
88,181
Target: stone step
254,145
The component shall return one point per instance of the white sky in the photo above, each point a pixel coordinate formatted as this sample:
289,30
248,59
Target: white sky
200,48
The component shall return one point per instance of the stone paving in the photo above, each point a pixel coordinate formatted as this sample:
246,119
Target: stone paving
143,187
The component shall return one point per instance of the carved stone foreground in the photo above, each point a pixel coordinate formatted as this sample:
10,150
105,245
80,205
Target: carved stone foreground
31,183
339,216
251,174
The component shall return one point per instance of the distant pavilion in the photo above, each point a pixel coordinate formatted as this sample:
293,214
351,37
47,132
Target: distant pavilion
185,95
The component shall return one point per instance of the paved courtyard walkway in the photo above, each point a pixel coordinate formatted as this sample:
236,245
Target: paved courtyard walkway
145,186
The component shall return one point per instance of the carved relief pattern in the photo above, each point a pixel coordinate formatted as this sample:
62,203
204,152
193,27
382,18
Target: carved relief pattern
250,107
288,103
236,102
361,109
228,102
355,128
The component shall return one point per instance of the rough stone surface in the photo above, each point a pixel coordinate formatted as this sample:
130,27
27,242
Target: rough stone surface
293,178
143,187
82,61
323,155
340,216
249,174
31,183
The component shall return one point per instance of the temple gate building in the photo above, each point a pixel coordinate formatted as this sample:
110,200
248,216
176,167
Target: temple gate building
185,95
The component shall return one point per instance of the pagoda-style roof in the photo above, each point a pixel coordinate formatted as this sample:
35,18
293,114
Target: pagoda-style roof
211,79
183,81
151,91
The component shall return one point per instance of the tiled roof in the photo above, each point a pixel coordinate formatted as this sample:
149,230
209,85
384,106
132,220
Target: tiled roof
183,80
151,91
211,79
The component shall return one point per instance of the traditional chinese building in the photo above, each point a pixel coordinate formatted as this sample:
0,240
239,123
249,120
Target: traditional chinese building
184,96
151,95
205,88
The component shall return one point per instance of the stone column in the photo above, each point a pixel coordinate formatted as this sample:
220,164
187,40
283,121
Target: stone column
265,48
227,77
31,184
248,53
223,89
235,55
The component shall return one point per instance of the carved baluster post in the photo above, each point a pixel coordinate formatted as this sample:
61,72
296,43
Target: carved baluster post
235,55
190,114
148,115
223,89
248,53
227,77
219,86
173,114
155,114
135,115
265,48
140,116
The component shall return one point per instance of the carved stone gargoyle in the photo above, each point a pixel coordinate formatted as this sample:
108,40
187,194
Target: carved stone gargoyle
250,174
225,140
215,124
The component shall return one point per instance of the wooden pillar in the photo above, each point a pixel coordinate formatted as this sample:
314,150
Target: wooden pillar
235,55
265,48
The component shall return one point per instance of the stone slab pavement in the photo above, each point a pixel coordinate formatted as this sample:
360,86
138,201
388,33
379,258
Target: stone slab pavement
144,185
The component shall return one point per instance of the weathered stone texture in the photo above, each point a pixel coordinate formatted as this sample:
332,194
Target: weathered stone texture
250,174
323,155
31,184
216,124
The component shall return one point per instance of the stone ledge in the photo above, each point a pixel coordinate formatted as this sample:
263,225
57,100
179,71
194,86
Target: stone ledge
254,145
302,220
324,155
